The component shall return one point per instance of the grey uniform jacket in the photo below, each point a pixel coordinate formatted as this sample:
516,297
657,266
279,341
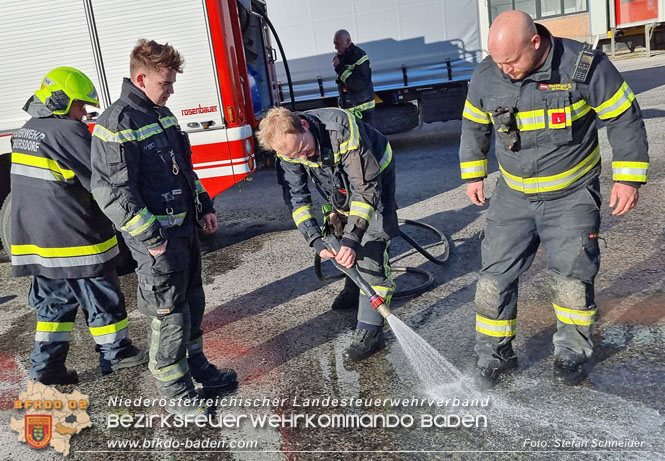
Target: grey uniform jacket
555,118
360,158
57,228
142,172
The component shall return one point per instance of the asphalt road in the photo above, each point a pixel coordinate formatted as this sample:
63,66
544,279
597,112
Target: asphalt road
268,317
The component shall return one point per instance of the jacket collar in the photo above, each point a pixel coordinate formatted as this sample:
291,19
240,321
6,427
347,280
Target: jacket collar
135,97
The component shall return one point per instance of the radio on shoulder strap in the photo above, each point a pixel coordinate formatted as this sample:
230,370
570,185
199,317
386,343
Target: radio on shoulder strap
583,64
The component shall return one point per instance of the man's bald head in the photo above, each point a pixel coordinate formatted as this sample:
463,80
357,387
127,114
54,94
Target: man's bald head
515,45
342,40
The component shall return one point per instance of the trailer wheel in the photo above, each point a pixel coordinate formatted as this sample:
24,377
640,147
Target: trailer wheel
395,118
5,229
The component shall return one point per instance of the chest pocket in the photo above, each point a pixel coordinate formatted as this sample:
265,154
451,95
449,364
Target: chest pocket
558,117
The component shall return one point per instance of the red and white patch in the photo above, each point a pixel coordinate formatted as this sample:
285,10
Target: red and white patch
558,118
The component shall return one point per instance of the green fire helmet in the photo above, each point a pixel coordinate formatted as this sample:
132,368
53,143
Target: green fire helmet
62,86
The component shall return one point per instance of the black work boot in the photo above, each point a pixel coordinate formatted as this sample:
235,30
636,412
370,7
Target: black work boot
130,357
208,375
182,399
365,343
568,372
57,376
488,377
347,298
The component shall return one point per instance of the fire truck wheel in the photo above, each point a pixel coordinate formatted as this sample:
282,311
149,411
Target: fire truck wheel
5,229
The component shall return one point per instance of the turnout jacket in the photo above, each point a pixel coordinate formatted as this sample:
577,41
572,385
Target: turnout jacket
360,158
142,172
57,228
555,118
354,78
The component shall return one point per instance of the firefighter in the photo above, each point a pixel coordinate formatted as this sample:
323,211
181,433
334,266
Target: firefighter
60,236
144,180
354,77
350,163
543,107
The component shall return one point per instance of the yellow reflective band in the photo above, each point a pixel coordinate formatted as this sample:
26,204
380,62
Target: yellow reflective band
302,214
557,182
361,107
345,75
352,142
299,160
85,250
139,134
496,328
617,104
474,169
567,120
574,316
362,210
40,162
99,331
199,186
630,171
55,326
387,158
474,114
579,109
139,223
530,120
168,121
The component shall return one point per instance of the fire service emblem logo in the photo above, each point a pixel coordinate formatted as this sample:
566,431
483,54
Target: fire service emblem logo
38,430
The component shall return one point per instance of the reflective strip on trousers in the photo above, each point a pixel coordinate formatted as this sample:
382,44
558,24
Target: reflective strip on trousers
474,114
66,256
110,333
617,104
139,223
362,210
195,347
37,167
302,214
574,316
475,169
53,331
630,171
171,372
496,328
555,182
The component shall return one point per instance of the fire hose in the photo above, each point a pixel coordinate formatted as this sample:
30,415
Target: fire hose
333,244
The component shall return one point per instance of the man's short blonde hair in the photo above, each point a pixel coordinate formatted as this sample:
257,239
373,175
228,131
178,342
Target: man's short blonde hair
150,56
277,123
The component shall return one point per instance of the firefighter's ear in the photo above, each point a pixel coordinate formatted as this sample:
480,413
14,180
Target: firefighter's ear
304,123
140,80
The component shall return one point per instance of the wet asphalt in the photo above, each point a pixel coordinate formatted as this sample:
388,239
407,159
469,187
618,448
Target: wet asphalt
268,317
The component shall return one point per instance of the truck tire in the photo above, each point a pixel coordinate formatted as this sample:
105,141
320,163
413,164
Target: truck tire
395,118
5,229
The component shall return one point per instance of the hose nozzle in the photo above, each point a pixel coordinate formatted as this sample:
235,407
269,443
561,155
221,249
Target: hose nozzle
380,305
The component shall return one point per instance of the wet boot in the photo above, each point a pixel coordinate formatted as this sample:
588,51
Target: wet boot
568,372
209,376
57,376
365,343
182,399
130,357
348,298
488,377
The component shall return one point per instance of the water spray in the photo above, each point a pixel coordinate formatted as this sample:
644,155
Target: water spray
375,299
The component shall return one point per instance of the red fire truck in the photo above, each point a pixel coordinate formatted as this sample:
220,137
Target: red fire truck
227,81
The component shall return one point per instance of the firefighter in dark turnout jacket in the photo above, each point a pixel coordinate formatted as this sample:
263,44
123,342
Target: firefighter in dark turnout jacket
144,180
59,234
354,77
350,163
543,108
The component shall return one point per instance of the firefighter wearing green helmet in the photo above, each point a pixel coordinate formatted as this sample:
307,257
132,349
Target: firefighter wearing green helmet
60,237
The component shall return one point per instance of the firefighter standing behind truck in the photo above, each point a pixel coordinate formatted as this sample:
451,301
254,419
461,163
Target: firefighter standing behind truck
354,77
542,94
59,234
350,163
144,180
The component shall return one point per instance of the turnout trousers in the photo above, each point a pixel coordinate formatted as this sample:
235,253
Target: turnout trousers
516,226
374,266
170,293
56,302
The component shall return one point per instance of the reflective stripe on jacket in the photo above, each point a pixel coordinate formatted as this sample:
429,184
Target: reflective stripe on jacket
363,156
556,121
142,172
57,229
